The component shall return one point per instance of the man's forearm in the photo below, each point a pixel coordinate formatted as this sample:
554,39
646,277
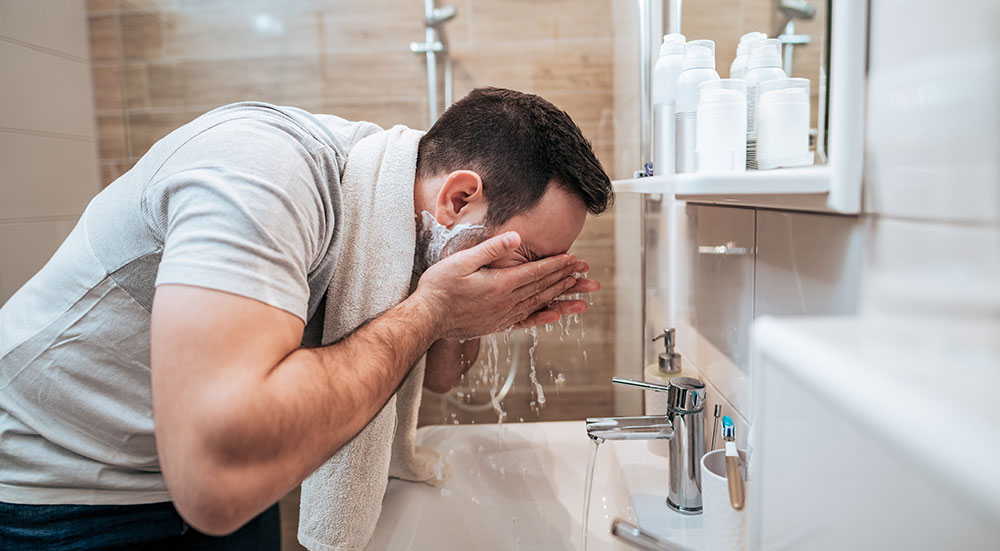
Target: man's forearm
274,431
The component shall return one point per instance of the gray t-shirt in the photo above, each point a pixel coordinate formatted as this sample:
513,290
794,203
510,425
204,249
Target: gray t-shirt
244,199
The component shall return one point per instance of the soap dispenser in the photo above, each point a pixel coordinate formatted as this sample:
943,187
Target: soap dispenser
667,367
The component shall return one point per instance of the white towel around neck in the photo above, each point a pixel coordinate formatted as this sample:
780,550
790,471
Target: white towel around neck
341,500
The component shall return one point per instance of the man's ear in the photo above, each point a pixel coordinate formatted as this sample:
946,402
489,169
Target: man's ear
461,199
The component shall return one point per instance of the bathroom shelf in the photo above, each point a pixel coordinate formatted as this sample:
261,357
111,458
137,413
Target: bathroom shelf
806,188
835,187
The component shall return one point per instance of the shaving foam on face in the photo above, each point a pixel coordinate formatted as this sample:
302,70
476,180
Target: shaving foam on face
435,241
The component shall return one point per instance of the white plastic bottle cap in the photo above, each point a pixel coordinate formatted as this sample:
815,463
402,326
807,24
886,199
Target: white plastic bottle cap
672,44
699,54
764,53
744,46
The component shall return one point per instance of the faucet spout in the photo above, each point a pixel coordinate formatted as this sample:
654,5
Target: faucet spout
647,427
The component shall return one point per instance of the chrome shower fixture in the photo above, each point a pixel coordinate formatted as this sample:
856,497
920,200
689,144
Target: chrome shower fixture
435,44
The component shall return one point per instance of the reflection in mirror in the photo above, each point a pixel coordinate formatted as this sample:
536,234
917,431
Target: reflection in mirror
802,27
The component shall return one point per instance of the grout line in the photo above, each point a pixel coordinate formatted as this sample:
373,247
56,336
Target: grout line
47,134
44,50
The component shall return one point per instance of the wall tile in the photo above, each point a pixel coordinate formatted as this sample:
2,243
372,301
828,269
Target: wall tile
349,75
53,24
107,87
51,93
100,6
25,247
807,264
104,38
932,115
499,22
33,187
112,143
211,83
135,84
916,267
141,35
256,30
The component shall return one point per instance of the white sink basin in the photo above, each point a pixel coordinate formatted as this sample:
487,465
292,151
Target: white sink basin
521,486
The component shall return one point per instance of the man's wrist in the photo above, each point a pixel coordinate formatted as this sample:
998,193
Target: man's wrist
426,315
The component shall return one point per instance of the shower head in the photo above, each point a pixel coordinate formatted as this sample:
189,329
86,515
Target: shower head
791,10
797,9
440,15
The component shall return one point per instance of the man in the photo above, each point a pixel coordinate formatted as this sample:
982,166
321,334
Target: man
161,381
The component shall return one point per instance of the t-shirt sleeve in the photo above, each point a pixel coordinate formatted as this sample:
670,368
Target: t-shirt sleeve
239,211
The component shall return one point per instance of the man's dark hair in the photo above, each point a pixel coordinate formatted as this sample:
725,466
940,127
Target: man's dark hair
517,143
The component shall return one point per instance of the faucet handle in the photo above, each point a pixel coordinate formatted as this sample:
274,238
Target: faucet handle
640,384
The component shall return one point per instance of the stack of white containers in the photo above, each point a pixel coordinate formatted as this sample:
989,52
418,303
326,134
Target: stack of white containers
758,118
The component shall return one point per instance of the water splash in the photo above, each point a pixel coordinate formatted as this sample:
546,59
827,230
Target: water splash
539,392
591,462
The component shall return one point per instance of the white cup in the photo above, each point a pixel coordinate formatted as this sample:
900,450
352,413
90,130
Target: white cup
725,527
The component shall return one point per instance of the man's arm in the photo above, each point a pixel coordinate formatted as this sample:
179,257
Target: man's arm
242,414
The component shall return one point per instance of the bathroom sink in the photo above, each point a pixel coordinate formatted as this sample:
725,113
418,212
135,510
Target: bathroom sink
521,486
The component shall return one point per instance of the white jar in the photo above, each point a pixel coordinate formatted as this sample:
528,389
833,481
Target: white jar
783,123
738,68
722,126
764,64
668,67
699,66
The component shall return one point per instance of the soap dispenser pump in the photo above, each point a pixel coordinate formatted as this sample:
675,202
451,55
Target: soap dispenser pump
669,361
667,367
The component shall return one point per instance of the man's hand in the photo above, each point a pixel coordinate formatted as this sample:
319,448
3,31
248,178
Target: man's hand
448,359
467,299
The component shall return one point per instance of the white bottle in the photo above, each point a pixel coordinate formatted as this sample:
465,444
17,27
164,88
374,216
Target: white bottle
739,67
668,67
763,64
699,66
783,123
722,126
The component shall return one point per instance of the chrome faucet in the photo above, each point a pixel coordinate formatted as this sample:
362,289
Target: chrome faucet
683,425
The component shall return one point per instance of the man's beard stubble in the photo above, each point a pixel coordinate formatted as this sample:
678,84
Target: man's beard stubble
436,242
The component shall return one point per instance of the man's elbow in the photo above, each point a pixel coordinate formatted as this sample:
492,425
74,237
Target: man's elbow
211,509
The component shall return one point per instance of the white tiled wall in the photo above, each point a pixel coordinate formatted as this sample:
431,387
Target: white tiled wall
48,151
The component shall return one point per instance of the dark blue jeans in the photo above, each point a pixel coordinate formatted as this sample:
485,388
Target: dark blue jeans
148,527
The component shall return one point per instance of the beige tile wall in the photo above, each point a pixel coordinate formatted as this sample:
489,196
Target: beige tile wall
48,144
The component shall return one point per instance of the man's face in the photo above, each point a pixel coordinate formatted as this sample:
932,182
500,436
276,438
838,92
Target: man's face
460,207
548,229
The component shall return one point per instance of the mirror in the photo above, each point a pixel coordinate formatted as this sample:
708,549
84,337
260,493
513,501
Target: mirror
802,26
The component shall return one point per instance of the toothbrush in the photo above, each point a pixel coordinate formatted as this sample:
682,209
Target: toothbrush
735,478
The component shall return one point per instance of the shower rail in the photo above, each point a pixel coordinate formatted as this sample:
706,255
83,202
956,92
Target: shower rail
435,43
